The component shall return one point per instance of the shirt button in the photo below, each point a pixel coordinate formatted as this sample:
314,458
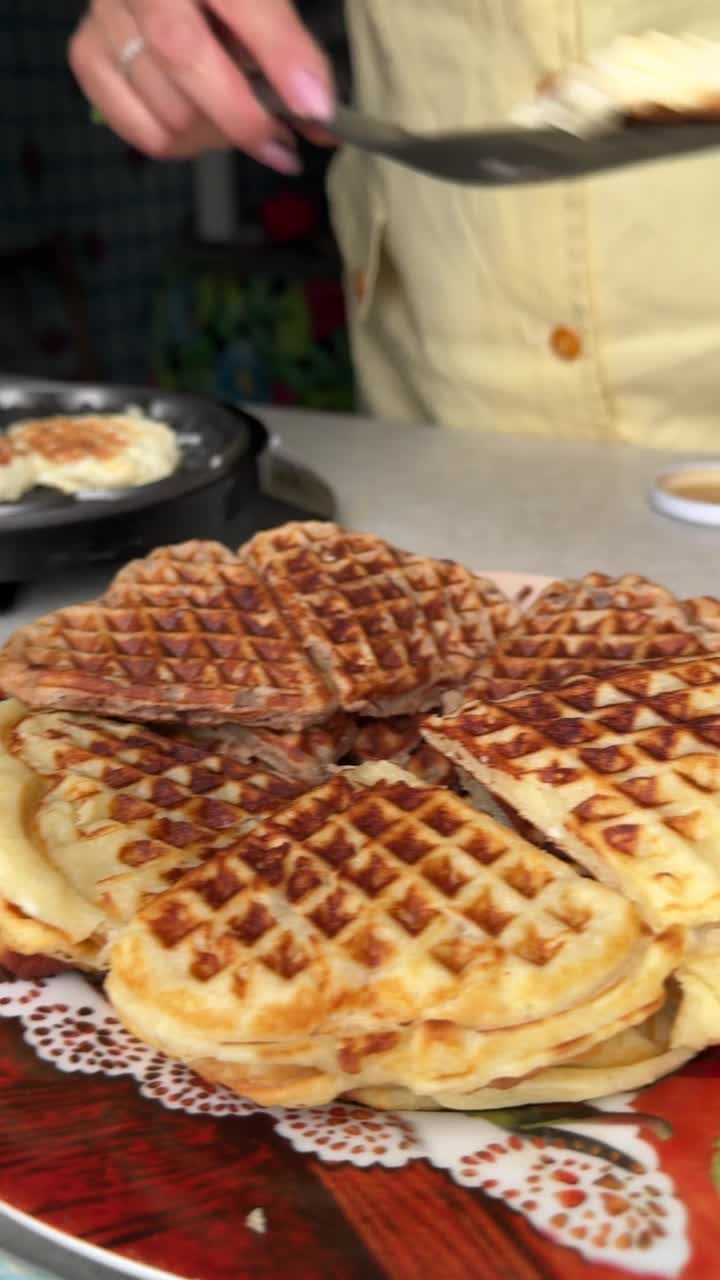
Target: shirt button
546,83
359,283
566,343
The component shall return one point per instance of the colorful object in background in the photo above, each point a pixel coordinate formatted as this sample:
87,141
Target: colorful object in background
278,336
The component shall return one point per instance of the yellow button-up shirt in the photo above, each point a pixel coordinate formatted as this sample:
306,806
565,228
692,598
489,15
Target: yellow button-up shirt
589,309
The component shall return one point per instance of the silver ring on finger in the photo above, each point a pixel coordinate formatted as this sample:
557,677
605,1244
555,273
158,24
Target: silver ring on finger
129,53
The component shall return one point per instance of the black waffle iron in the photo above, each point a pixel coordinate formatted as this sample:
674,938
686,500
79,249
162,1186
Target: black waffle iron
48,531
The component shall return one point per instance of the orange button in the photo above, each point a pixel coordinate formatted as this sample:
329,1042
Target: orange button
359,283
547,83
566,343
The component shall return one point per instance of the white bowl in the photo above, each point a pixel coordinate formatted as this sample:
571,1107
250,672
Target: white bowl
690,491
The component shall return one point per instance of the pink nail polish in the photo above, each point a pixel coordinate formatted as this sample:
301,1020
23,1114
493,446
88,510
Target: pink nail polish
309,96
279,156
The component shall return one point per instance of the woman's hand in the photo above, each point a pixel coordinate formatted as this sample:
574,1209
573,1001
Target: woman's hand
163,80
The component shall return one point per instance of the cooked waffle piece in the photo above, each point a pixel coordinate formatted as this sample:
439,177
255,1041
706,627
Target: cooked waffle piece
189,634
591,624
398,739
307,754
97,451
630,593
307,619
629,1060
622,771
377,932
104,815
41,914
703,612
391,629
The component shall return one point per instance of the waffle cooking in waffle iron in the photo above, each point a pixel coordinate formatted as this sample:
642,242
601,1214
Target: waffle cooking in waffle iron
245,789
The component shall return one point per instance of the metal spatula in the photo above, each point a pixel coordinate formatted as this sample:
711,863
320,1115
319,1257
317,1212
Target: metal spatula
509,156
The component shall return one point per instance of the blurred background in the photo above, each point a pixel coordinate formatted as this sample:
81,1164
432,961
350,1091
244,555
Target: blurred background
217,277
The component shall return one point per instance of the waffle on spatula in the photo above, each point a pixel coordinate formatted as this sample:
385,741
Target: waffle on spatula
303,621
591,623
99,815
377,934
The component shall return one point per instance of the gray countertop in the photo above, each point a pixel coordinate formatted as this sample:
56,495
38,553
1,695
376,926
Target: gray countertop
502,501
492,501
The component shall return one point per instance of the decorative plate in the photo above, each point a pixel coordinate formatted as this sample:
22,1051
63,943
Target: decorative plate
121,1155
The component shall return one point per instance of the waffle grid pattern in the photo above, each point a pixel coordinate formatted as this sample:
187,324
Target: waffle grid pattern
370,874
592,625
387,625
175,803
301,621
399,740
632,761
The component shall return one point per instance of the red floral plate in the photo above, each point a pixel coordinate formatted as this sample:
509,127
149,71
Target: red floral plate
121,1155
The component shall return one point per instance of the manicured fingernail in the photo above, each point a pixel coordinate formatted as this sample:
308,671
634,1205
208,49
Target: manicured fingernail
280,156
309,96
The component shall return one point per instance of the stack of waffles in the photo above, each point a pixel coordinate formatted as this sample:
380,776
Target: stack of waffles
233,790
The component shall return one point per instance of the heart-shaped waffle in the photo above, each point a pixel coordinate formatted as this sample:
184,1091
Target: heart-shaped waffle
590,624
193,634
105,814
390,628
620,770
379,931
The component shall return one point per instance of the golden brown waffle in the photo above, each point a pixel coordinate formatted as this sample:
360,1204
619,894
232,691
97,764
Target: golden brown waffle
196,635
189,634
589,625
622,771
631,593
379,931
391,629
632,1058
391,738
437,1055
97,451
399,740
703,612
307,754
120,812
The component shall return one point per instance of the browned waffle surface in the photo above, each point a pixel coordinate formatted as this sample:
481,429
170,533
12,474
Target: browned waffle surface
431,1056
121,811
383,932
629,592
188,634
387,738
399,739
621,770
391,629
307,618
307,754
591,624
359,906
